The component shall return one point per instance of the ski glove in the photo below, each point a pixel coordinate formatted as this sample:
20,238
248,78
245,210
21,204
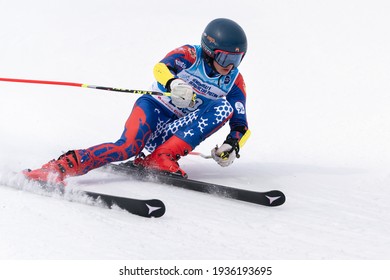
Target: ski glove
182,94
227,153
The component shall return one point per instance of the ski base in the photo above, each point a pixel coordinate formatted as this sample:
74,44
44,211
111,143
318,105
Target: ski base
268,198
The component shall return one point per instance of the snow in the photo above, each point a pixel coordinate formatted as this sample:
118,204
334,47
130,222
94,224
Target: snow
317,76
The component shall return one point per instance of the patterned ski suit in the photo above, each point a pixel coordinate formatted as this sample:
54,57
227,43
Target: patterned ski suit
154,119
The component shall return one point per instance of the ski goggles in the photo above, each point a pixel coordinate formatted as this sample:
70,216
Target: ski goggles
226,58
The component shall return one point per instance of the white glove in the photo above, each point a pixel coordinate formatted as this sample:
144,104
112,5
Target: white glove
181,93
224,155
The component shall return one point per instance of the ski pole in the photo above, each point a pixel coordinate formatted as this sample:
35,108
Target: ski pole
200,154
241,143
135,91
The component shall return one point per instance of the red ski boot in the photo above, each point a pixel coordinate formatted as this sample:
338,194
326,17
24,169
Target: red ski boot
55,171
165,157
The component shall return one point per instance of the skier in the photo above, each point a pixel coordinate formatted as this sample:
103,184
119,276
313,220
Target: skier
206,90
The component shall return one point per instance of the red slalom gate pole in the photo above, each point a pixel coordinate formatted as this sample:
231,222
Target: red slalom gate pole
135,91
40,82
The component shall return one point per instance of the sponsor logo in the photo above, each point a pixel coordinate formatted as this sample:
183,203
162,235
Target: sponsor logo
152,208
272,198
181,64
240,108
209,38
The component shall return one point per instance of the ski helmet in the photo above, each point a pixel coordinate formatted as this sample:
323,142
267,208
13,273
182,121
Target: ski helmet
224,41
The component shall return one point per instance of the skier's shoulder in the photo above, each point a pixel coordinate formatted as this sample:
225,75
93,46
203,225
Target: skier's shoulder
239,84
187,52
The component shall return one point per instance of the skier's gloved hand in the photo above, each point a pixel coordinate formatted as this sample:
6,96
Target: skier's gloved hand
182,94
226,153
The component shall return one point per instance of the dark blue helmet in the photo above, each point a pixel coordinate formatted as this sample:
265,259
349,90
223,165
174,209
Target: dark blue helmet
224,41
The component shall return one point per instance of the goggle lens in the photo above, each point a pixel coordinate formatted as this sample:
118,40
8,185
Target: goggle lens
226,58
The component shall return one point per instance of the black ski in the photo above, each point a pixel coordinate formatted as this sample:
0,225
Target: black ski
142,207
145,208
267,198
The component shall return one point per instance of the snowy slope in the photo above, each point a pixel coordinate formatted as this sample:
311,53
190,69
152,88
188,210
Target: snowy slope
318,105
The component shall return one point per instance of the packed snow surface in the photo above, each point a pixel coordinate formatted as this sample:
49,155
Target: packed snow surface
317,75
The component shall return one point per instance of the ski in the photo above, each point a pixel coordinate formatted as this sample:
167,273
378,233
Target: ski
145,208
142,207
268,198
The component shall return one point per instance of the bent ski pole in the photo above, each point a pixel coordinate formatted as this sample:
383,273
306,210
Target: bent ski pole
135,91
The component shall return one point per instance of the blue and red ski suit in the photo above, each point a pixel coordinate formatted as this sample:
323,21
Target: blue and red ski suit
154,119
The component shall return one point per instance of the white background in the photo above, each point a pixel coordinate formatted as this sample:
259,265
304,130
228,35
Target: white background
317,75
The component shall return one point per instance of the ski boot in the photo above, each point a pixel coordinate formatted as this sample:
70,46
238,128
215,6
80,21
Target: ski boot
165,158
55,171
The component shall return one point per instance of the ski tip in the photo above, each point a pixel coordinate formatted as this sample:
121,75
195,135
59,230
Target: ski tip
150,208
276,198
156,208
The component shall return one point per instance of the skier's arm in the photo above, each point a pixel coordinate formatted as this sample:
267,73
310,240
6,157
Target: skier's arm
239,131
165,72
162,74
173,63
